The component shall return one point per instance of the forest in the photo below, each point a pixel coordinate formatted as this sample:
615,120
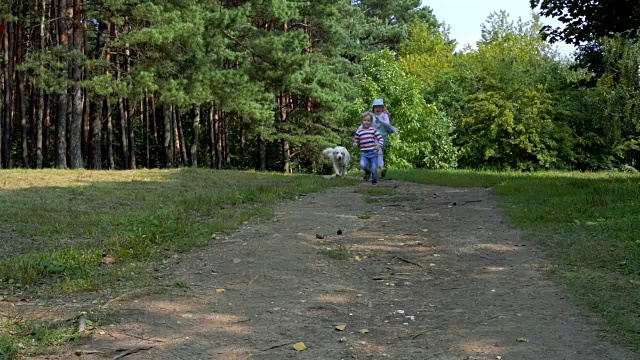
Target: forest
266,84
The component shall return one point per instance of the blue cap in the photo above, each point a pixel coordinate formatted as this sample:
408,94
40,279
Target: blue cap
377,102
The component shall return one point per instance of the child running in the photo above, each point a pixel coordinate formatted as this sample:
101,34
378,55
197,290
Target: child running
368,139
382,123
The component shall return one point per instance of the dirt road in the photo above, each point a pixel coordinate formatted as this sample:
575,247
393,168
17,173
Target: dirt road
432,273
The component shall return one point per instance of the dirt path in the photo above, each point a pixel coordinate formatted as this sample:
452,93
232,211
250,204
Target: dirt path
440,276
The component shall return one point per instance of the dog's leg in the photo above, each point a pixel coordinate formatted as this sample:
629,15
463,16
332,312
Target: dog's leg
336,169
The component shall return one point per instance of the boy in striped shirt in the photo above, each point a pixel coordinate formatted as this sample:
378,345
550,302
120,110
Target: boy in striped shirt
368,139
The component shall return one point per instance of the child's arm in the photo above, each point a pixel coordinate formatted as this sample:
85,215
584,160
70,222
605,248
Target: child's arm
378,140
384,120
356,138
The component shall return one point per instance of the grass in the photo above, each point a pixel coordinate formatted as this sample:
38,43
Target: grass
587,222
338,253
31,337
64,224
78,231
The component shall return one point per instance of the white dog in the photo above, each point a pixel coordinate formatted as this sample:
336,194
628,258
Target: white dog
340,159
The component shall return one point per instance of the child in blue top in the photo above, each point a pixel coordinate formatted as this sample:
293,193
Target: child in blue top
368,139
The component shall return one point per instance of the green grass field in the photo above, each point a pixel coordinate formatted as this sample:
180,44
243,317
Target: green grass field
64,227
589,224
78,231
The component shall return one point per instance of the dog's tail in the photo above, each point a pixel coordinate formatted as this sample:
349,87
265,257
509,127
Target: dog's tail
327,152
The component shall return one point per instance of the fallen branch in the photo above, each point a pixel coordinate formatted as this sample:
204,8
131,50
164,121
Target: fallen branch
417,335
82,324
249,286
141,337
409,261
131,351
472,201
279,345
87,352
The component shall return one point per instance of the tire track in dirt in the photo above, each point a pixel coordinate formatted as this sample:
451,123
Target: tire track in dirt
440,275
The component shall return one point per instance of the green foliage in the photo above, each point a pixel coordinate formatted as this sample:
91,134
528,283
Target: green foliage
585,20
427,53
424,139
502,97
510,133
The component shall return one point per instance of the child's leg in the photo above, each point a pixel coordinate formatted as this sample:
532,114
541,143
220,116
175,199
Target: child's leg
374,168
381,153
364,166
363,162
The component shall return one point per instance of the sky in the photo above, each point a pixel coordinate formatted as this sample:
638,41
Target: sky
465,17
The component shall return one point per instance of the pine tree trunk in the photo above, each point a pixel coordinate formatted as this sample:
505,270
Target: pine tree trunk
129,108
168,137
263,153
144,117
5,58
227,152
283,104
175,145
40,119
75,124
131,135
218,139
39,123
61,117
124,134
86,126
23,120
86,102
96,135
46,130
182,145
211,137
196,138
153,115
8,99
96,110
107,111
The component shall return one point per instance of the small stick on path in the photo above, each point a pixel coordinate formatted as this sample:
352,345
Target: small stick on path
278,345
141,337
249,285
417,335
87,352
134,350
409,261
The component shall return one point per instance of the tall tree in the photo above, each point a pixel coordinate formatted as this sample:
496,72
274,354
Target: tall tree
75,128
587,20
65,12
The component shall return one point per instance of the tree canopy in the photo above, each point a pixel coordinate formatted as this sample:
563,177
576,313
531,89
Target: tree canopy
585,20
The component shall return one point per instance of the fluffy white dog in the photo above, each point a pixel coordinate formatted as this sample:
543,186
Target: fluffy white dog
340,159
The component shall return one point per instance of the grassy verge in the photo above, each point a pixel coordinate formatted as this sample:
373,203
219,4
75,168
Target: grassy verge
588,223
76,231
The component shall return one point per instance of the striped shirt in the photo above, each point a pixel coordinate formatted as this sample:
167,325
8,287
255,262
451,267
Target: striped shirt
367,139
